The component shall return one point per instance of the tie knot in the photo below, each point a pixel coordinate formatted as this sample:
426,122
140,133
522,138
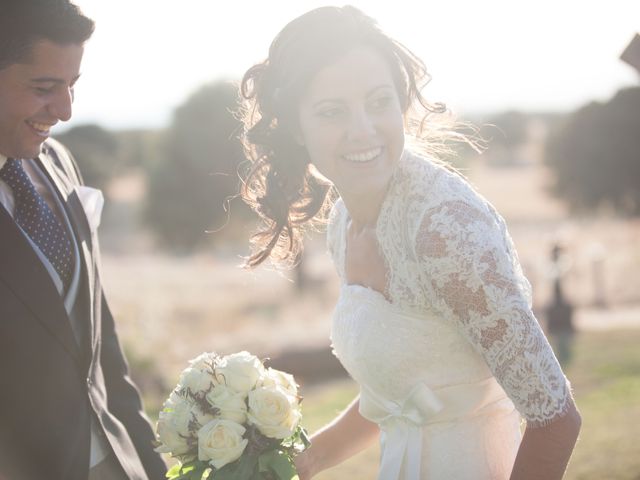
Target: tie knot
11,169
16,177
10,164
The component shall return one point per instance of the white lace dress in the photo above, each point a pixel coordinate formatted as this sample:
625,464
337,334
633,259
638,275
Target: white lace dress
450,356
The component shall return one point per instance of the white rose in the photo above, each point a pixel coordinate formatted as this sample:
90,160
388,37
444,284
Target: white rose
173,425
231,404
200,417
220,442
239,371
273,411
204,361
196,380
274,378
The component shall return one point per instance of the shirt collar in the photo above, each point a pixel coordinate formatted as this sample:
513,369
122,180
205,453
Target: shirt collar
3,159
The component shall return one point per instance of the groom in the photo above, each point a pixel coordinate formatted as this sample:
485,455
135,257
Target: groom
68,410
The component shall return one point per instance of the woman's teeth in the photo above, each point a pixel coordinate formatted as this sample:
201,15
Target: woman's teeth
365,156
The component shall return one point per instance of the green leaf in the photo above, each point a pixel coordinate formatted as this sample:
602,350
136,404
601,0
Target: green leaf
174,471
297,442
279,463
257,476
196,474
241,469
188,471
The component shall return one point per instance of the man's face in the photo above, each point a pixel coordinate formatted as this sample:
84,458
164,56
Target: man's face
35,95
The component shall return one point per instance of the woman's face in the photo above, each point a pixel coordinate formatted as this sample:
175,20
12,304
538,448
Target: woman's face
351,122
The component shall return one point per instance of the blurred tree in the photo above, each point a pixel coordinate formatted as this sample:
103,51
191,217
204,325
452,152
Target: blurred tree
596,155
193,180
509,128
96,151
139,149
505,132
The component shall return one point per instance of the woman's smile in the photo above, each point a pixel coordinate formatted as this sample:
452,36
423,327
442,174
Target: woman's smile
363,156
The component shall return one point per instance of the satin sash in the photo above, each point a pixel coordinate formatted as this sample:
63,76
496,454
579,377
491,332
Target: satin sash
401,424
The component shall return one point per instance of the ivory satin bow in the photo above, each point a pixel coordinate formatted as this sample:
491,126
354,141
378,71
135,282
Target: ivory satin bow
401,425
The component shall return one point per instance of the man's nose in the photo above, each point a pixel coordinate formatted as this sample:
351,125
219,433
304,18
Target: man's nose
61,105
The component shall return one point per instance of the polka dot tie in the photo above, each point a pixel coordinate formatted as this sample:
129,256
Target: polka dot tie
38,221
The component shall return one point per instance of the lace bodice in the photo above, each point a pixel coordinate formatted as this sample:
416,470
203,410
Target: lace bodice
462,302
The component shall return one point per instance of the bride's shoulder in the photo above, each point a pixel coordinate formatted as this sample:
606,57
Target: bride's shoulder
431,190
430,182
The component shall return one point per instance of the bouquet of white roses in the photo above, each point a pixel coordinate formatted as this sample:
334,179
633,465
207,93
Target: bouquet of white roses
231,418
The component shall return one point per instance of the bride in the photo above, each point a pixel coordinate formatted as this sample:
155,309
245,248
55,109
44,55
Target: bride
433,319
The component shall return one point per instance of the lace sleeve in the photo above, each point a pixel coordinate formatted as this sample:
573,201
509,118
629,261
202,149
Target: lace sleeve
471,270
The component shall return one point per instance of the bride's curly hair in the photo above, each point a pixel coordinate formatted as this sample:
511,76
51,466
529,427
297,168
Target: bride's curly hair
281,184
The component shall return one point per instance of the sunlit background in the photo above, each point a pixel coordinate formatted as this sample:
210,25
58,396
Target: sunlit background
147,55
152,128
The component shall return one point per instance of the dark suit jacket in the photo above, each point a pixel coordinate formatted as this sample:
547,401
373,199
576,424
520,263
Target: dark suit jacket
50,386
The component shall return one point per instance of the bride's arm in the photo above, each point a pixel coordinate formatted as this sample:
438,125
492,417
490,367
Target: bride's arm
545,451
345,436
473,274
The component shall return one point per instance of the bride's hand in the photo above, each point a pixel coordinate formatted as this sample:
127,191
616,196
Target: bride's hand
303,465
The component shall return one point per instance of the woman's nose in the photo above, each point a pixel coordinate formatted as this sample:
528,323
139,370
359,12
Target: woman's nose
361,125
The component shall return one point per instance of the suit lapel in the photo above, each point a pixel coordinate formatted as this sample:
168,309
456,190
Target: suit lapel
71,201
84,238
22,270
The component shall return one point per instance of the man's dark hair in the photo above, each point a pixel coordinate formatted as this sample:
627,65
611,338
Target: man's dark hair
26,22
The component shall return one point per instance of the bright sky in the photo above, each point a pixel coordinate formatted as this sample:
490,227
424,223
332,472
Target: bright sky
147,56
